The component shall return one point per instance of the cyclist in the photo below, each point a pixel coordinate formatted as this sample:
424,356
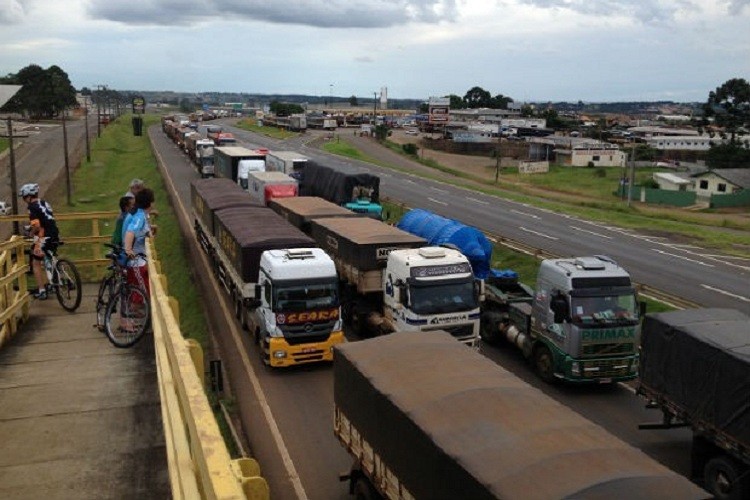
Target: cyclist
44,229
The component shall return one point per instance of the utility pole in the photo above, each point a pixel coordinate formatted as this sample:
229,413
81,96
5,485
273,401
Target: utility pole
632,174
497,157
374,107
13,181
98,115
86,120
67,161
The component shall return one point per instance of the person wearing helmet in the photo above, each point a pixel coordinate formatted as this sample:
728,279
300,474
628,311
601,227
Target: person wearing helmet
44,230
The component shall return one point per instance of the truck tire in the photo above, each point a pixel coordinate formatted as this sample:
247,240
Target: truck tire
544,364
726,479
488,329
363,490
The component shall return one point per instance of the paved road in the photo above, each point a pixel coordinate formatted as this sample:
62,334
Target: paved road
300,401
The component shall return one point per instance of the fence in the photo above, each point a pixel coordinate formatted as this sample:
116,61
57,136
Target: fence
14,296
741,199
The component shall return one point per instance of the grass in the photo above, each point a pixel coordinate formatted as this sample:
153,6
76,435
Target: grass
4,143
343,148
117,157
251,124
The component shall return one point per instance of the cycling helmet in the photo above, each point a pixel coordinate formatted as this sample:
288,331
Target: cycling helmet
31,189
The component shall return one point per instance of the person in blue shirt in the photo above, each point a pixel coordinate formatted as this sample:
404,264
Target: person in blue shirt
135,230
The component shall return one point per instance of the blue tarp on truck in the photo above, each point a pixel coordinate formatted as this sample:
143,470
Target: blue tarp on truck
438,230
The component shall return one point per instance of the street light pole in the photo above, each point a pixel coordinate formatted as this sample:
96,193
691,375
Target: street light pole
67,161
13,180
86,120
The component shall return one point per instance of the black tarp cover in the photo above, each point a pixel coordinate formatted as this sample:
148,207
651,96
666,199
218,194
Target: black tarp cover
451,424
336,184
699,360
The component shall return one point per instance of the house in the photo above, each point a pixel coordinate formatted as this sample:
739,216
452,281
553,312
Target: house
722,181
672,182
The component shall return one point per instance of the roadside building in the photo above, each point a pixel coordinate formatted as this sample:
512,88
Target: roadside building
576,151
683,142
722,181
673,182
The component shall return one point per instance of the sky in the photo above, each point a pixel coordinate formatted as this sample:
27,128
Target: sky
530,50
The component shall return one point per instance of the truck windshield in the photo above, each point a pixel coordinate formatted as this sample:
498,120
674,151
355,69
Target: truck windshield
303,297
442,296
618,309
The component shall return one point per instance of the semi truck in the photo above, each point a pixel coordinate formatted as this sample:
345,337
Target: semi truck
695,368
350,187
201,153
390,279
219,136
235,163
289,162
423,417
266,186
282,287
581,324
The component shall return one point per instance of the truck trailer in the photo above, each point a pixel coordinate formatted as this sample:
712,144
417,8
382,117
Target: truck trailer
201,153
392,281
235,163
302,210
695,368
266,186
282,287
289,162
423,417
350,187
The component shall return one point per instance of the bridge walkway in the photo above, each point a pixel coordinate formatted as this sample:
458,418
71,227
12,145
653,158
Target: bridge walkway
79,418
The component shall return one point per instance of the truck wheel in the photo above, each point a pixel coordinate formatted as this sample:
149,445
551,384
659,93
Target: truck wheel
724,478
544,364
363,490
488,329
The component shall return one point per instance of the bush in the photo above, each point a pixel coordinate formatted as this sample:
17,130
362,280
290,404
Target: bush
590,164
410,149
650,184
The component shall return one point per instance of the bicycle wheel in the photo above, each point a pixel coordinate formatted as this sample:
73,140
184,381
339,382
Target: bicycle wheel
106,292
68,287
128,316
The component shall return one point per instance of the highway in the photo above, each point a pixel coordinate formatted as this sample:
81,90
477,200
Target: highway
288,413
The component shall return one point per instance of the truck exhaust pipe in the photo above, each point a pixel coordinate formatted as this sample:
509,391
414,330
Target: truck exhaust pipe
516,337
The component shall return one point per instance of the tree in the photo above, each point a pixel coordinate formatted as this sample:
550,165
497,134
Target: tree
353,101
456,102
43,93
285,109
728,156
729,105
500,102
477,97
186,105
381,132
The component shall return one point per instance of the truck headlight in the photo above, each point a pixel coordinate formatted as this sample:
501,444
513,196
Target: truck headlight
575,368
279,354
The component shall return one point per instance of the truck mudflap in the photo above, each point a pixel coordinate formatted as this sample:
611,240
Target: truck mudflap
593,370
279,353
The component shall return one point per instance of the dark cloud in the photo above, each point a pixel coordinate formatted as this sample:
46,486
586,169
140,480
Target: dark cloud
317,13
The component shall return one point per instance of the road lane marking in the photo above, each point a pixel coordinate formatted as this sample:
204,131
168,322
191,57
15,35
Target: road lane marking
524,213
724,292
439,190
438,202
481,202
699,262
591,232
538,234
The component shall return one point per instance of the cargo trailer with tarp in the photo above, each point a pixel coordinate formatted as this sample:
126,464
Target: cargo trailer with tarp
349,186
424,417
300,211
282,287
695,368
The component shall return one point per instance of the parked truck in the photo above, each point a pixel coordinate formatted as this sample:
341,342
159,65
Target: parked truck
302,210
283,288
581,325
392,281
695,368
266,186
350,187
201,153
219,136
235,163
423,417
289,162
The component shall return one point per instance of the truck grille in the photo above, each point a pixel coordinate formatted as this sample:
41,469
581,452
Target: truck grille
606,368
457,331
597,350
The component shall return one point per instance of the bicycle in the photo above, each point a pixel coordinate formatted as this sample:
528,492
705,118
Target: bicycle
123,310
64,279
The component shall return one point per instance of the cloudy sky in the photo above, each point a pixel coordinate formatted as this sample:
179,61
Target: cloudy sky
530,50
